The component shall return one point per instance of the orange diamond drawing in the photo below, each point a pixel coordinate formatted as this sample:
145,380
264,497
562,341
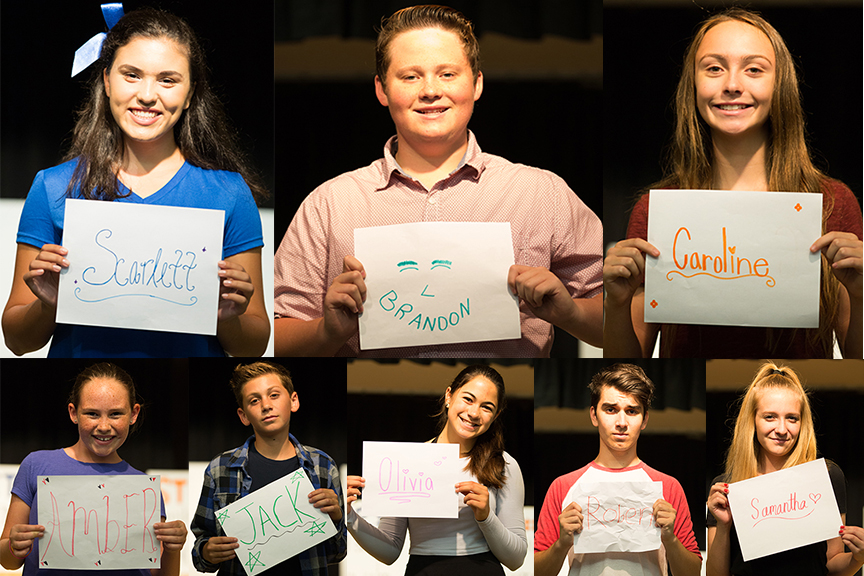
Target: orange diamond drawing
654,303
798,207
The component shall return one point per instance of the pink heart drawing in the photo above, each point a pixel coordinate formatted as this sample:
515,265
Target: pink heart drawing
420,473
815,497
405,470
437,462
443,457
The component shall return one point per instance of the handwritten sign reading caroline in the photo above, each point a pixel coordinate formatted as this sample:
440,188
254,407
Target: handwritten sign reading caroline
784,510
140,266
411,479
436,283
616,516
733,258
275,523
99,522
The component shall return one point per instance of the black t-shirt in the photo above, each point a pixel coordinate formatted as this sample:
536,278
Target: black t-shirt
809,560
263,471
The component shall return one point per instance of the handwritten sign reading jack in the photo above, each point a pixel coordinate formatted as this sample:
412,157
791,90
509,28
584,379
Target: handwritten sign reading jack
411,479
141,266
733,258
275,523
616,516
784,510
436,283
99,522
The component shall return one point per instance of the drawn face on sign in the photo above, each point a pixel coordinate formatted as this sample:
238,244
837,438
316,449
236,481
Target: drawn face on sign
619,418
778,422
103,416
267,405
473,408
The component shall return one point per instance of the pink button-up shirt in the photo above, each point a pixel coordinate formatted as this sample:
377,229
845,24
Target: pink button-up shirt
551,228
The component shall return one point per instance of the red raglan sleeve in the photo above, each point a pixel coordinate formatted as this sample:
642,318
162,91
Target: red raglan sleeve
674,494
547,529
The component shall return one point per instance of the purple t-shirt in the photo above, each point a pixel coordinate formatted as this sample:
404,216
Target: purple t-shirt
58,463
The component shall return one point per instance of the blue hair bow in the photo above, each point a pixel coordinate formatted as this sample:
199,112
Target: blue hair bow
89,52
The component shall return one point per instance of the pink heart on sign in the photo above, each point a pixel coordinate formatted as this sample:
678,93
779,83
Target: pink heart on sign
815,497
437,462
405,470
420,473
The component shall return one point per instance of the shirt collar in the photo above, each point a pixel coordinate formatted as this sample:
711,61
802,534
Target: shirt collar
241,455
473,159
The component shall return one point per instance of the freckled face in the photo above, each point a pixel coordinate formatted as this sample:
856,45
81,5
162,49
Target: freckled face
619,419
473,408
735,68
778,421
103,416
148,88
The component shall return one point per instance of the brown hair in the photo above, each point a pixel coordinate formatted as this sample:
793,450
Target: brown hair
244,373
108,371
486,458
426,16
629,379
789,166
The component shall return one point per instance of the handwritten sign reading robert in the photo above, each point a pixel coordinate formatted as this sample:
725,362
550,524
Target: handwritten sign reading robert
411,479
784,510
140,266
616,516
733,258
275,523
436,283
99,522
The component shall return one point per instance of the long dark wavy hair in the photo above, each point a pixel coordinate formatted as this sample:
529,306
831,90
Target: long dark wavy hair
204,135
486,458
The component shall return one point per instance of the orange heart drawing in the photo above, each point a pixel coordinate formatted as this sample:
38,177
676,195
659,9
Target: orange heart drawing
732,249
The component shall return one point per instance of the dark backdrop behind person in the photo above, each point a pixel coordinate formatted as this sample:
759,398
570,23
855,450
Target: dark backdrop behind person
673,442
40,99
214,426
836,402
34,414
642,55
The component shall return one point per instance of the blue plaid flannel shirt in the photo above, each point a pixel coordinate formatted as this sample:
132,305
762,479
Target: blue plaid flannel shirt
226,480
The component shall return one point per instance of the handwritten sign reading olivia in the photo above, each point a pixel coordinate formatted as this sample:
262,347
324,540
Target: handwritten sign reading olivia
733,258
436,283
784,510
99,522
275,523
411,479
141,266
616,516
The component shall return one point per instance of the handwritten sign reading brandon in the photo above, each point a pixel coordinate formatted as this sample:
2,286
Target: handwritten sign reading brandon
411,479
275,523
99,522
141,266
436,283
733,258
616,516
784,510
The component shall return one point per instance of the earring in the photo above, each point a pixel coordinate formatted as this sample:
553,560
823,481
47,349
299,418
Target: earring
447,406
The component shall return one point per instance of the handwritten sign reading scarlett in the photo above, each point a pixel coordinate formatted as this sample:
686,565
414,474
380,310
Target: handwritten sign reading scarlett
411,479
99,522
141,266
733,258
436,283
784,510
616,516
275,523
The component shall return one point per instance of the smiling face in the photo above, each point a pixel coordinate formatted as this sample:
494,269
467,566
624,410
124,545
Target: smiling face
429,87
148,88
778,423
735,70
103,416
472,409
267,406
619,418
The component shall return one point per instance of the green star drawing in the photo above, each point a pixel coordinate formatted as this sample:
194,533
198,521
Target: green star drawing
254,561
316,528
297,475
222,516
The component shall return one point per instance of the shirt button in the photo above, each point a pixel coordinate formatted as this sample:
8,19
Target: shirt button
433,200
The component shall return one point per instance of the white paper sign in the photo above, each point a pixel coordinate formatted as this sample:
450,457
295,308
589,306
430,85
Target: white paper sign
275,523
784,510
733,258
411,479
436,283
99,522
616,516
140,266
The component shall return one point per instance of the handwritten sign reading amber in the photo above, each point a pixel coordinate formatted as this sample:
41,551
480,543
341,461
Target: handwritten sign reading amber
733,258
